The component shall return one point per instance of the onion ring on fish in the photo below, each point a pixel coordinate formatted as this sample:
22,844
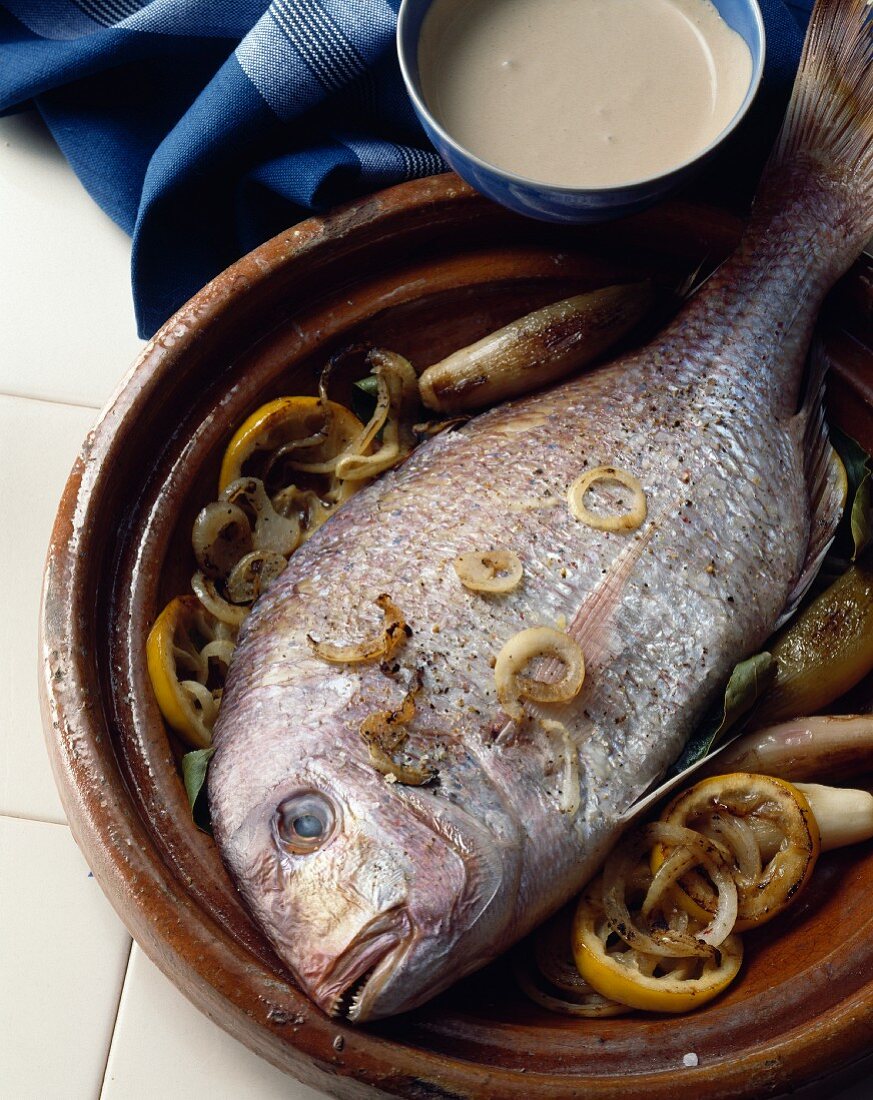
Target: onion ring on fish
520,651
495,571
623,521
385,727
385,732
380,646
568,802
405,774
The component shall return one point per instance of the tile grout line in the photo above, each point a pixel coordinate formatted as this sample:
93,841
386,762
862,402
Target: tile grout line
30,817
115,1021
52,401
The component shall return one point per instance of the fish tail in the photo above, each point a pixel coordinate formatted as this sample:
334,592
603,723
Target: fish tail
828,128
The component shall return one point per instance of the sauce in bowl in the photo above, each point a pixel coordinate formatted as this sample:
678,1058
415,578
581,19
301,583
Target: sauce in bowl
582,93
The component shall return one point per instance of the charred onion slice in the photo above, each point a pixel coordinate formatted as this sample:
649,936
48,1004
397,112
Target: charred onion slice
221,535
306,506
647,933
583,1002
527,646
315,431
387,727
215,604
183,648
761,806
569,797
649,981
554,981
495,571
385,732
253,575
623,521
409,775
380,646
271,531
396,408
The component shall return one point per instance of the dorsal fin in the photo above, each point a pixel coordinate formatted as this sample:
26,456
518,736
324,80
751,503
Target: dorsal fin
825,474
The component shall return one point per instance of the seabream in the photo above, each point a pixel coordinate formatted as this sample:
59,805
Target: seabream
379,894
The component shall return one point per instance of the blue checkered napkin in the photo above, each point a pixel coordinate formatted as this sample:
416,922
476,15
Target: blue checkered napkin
203,127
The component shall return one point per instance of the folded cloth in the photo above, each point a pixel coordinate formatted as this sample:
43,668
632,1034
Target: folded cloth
204,127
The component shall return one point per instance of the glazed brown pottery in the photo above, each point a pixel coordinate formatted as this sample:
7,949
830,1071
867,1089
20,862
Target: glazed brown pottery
423,268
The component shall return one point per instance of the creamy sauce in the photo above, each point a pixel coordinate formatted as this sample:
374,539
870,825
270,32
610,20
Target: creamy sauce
582,92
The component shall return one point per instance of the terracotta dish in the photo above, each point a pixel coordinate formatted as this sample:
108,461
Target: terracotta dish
422,269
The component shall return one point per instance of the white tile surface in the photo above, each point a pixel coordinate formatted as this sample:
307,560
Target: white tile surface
38,444
163,1047
67,331
63,954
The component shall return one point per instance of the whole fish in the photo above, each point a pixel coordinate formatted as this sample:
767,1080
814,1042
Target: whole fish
379,894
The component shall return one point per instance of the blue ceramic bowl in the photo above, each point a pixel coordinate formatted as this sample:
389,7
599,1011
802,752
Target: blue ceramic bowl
569,204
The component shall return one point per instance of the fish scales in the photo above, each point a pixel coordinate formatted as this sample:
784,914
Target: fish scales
403,890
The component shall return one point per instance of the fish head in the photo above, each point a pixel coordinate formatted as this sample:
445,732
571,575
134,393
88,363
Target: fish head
376,896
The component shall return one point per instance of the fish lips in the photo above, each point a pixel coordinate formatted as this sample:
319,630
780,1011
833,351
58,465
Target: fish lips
359,974
423,950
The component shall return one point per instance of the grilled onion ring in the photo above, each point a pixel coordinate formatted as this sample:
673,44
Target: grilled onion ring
221,535
493,571
206,592
405,774
632,976
668,942
569,796
585,1002
527,646
395,411
254,574
751,799
385,733
271,531
624,521
380,646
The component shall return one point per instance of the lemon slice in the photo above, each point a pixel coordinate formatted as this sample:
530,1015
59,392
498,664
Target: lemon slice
178,651
290,420
768,830
647,982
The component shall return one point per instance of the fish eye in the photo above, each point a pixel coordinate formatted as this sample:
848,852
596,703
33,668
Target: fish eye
303,823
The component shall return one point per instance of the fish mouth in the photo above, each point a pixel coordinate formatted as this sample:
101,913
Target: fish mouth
357,975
